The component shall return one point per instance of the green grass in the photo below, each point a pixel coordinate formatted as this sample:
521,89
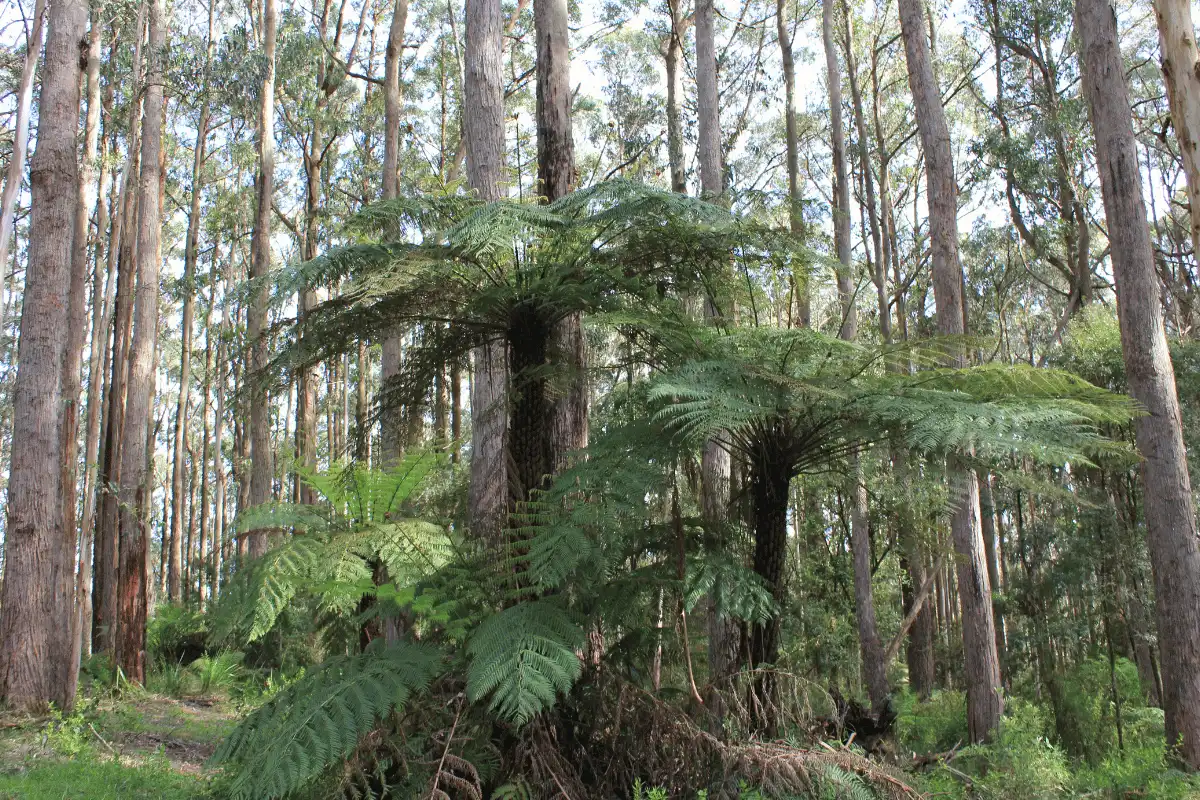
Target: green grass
88,778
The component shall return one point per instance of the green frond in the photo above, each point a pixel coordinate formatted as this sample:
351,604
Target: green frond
316,722
524,657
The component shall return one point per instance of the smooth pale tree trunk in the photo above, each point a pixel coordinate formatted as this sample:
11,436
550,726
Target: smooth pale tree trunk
73,363
714,464
483,126
870,646
261,466
38,588
191,254
219,474
673,60
987,516
1170,518
841,182
392,440
868,182
135,485
800,288
982,664
1181,73
919,654
556,176
20,145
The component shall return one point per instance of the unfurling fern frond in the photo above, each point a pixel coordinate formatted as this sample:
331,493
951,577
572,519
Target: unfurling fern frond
523,657
317,721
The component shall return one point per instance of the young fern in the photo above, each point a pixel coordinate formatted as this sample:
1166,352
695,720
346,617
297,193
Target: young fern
335,545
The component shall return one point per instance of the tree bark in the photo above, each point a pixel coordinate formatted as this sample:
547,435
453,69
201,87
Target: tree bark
261,467
848,326
73,362
483,127
800,288
556,177
37,594
1170,518
20,145
984,701
1181,73
191,254
673,61
392,440
135,487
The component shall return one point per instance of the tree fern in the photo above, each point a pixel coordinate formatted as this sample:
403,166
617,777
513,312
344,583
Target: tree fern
336,545
316,722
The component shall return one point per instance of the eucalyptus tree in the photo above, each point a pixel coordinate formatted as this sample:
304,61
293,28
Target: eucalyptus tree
38,587
1169,510
984,701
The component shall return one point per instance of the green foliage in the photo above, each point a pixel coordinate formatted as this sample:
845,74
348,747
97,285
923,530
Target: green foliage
176,633
317,721
94,778
523,657
67,735
933,726
333,554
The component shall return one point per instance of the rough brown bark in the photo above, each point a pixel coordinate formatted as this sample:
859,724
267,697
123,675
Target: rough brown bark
261,462
1170,518
38,588
984,701
135,488
483,128
556,177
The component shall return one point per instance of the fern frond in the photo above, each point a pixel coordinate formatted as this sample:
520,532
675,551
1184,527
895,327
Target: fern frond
316,722
524,657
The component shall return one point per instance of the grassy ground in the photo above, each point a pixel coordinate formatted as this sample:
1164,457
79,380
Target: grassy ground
150,746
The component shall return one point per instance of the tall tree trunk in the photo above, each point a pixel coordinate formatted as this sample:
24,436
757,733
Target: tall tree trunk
556,176
219,474
987,516
73,362
922,672
135,484
20,145
392,439
121,256
191,254
1170,517
848,326
483,127
37,594
984,702
261,466
1181,73
714,464
868,182
673,59
800,288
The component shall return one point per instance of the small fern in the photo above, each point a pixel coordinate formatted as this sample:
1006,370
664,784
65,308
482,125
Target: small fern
317,721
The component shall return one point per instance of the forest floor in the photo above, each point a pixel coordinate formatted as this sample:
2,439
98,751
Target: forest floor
147,746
